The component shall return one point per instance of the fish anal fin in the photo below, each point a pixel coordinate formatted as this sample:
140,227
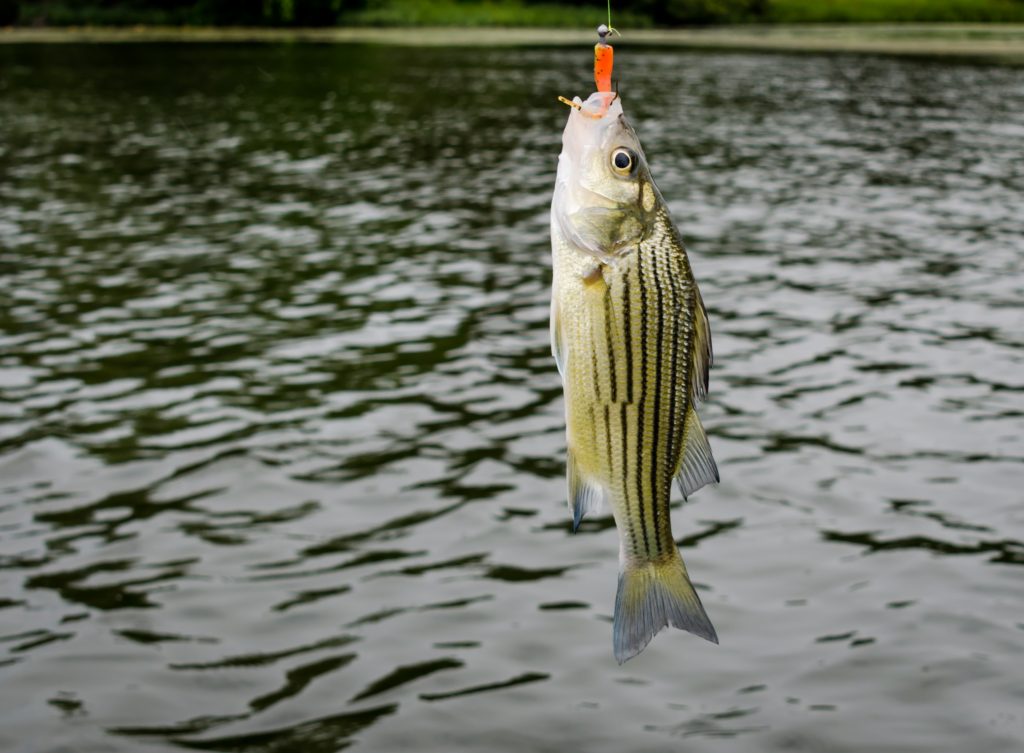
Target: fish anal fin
584,495
697,466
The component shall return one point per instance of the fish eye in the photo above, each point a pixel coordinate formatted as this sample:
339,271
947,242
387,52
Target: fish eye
623,160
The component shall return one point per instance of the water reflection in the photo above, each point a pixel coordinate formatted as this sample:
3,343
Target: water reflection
281,441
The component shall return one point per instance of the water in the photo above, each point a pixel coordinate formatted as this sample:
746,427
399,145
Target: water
281,451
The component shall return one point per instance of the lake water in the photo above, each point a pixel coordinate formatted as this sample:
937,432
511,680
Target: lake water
281,439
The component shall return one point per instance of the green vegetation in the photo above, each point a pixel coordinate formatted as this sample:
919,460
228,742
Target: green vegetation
455,13
894,11
630,14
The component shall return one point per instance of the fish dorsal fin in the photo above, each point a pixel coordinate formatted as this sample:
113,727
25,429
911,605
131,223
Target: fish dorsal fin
584,496
557,341
703,356
697,466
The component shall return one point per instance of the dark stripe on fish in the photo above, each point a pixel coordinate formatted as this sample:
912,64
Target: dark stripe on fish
627,305
623,407
673,449
657,444
613,377
642,401
608,436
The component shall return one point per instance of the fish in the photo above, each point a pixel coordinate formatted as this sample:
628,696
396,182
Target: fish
632,342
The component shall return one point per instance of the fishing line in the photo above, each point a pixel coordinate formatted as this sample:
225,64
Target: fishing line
611,29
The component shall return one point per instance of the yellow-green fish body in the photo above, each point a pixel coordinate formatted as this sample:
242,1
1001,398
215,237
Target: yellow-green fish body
631,338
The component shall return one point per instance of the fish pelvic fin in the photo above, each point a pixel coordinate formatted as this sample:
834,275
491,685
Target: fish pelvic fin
650,596
584,496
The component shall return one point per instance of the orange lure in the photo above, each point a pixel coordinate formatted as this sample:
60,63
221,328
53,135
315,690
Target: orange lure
604,57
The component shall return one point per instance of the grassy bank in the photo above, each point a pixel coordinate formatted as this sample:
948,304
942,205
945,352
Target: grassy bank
1000,43
628,14
895,11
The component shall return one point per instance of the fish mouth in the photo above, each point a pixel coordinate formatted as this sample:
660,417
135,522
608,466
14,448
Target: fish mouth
597,104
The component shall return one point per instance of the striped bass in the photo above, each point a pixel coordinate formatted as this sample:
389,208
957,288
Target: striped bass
631,339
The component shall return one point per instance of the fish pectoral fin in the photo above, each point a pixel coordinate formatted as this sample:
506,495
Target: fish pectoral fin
697,466
557,340
584,495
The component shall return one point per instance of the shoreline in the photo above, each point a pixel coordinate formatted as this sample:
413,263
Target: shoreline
994,42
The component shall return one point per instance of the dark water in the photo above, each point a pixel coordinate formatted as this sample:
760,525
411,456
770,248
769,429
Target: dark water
281,441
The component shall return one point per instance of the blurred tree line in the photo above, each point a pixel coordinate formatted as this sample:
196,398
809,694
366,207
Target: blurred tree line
332,12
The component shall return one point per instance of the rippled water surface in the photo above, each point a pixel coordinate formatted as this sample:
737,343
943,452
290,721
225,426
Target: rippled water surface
281,440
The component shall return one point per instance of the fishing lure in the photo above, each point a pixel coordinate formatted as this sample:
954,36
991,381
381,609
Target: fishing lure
604,61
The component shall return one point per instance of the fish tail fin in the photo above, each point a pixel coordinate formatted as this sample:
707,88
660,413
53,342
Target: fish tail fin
652,595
